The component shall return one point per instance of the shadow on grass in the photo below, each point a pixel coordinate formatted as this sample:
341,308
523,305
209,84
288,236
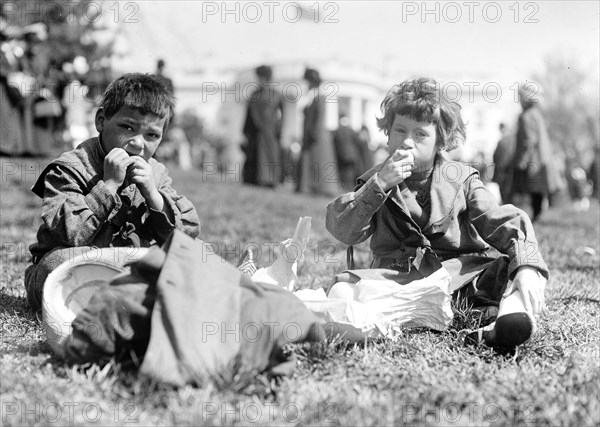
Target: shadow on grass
579,267
35,349
21,327
17,306
576,298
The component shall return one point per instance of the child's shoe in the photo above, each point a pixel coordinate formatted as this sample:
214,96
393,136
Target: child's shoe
514,329
507,332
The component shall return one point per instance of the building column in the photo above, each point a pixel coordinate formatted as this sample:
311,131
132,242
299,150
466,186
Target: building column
356,113
331,114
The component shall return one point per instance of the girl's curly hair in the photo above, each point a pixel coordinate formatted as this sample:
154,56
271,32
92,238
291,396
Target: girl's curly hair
422,100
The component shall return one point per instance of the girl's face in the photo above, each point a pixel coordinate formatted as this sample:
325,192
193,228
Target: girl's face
417,137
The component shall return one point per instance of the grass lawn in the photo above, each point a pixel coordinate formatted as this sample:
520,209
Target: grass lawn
422,378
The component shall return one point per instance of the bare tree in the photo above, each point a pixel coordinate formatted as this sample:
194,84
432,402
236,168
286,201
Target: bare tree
570,101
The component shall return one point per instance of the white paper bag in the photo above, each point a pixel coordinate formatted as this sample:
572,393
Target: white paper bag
384,307
283,272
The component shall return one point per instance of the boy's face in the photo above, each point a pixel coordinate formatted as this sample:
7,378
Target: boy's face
417,137
137,133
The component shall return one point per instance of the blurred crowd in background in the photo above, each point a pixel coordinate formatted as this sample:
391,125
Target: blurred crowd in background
53,74
527,168
48,84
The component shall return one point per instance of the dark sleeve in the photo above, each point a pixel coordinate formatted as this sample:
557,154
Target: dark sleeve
72,213
178,213
505,227
351,217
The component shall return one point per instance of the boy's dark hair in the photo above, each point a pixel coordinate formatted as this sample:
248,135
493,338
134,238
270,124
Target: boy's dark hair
143,92
422,100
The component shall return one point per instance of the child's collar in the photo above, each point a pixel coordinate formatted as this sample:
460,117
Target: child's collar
421,175
101,151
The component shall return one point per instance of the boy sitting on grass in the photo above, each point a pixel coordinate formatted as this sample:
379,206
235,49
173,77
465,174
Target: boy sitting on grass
109,191
423,211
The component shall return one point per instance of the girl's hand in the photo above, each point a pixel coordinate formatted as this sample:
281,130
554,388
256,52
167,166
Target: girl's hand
396,169
140,173
531,284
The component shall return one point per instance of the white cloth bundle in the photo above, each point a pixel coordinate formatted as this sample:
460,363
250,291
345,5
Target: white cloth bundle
377,307
381,308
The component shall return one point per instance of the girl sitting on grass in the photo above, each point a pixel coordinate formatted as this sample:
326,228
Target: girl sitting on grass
421,209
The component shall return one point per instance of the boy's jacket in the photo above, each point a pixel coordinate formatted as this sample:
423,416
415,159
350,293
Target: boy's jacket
79,210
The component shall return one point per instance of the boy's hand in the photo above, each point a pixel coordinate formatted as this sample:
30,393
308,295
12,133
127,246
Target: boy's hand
531,284
140,173
396,169
115,168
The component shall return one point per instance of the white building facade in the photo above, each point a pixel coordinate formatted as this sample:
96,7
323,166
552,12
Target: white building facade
220,97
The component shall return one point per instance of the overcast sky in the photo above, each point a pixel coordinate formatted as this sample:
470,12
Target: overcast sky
506,39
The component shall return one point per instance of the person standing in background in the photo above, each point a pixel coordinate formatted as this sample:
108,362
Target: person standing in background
12,100
594,173
42,105
24,83
366,155
318,171
160,74
167,151
532,160
348,153
262,129
503,163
